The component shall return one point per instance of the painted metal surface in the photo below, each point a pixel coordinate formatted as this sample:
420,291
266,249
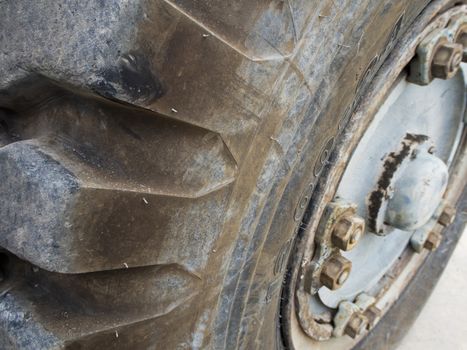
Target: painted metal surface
435,111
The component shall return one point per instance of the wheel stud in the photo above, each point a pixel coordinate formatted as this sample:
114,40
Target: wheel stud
347,232
335,272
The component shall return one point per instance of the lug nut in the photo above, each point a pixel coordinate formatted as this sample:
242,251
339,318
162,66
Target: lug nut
433,241
436,57
358,323
447,216
373,315
336,271
446,60
347,232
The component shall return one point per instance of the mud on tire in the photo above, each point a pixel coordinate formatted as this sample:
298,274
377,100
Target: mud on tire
156,161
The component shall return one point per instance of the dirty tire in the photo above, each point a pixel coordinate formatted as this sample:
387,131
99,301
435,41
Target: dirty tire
159,160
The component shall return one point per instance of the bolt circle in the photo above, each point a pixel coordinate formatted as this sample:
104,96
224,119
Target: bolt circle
332,230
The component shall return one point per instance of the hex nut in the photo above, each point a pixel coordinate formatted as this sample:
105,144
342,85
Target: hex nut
446,60
335,272
358,323
433,241
421,66
373,315
347,232
447,216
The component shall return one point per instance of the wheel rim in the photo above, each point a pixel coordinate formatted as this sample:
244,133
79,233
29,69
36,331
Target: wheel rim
366,291
373,255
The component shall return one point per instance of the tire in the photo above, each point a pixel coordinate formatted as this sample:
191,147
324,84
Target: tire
157,158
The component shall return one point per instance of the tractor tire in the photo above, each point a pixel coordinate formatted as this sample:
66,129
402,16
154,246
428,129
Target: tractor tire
160,159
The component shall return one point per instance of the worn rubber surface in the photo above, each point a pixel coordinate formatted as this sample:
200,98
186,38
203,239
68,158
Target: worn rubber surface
159,156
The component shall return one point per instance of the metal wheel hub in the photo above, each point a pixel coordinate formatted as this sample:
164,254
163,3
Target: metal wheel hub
390,196
409,189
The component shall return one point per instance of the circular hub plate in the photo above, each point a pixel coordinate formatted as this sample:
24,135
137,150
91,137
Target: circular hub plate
434,110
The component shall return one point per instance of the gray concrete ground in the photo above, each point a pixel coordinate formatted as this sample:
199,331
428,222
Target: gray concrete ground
442,325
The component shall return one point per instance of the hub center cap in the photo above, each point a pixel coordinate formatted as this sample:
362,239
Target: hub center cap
409,189
417,192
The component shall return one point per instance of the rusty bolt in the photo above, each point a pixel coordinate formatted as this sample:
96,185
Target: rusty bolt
358,323
433,241
347,232
446,60
447,216
373,315
437,56
335,272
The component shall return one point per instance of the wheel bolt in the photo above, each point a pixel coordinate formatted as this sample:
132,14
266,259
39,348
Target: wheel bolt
436,57
358,323
433,241
347,232
446,60
335,272
447,216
